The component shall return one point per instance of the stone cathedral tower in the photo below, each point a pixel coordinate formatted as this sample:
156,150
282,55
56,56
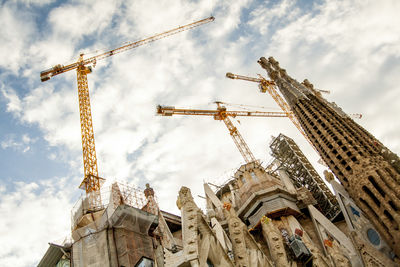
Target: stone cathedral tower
368,171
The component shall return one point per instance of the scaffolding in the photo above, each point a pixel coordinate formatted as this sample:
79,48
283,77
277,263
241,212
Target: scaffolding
116,194
303,174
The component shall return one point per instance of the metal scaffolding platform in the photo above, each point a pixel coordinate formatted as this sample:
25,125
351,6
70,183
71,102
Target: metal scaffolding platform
303,174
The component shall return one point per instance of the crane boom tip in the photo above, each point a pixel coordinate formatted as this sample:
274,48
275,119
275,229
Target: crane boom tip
230,75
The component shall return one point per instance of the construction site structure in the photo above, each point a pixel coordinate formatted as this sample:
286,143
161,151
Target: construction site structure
256,219
290,159
91,182
365,167
222,114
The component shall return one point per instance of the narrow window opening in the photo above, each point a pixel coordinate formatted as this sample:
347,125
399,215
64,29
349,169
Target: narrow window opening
371,195
377,187
389,171
388,215
373,211
393,206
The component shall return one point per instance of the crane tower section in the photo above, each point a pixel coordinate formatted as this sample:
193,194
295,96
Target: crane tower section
91,181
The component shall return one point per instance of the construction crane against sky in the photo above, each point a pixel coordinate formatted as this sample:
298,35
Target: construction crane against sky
270,87
91,181
223,115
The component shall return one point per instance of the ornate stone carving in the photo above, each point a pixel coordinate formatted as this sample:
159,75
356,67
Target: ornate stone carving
275,242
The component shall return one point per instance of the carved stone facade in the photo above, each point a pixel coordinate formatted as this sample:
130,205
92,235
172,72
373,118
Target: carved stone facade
200,244
290,231
356,158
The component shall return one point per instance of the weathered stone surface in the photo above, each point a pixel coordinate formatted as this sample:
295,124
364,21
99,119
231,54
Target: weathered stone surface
200,243
275,242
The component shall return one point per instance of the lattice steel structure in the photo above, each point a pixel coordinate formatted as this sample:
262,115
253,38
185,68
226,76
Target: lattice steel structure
303,174
91,182
356,157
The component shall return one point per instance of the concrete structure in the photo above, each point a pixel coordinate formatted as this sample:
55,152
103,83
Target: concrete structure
367,169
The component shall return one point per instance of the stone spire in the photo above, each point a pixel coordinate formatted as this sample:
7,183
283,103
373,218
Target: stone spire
355,156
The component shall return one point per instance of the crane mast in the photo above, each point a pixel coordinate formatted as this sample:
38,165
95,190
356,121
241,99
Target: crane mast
91,182
237,138
223,115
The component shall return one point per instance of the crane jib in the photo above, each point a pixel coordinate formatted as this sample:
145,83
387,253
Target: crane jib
58,69
92,182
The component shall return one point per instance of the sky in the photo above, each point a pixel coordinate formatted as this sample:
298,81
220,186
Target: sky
351,48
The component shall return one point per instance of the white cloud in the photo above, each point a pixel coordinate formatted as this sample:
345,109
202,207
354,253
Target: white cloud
348,47
35,2
56,112
22,145
82,18
13,101
262,17
13,32
31,214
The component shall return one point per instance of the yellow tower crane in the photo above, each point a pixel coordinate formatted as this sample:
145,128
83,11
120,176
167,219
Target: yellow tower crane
91,180
223,115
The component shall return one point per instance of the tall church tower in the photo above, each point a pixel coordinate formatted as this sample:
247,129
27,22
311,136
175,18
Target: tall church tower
367,169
